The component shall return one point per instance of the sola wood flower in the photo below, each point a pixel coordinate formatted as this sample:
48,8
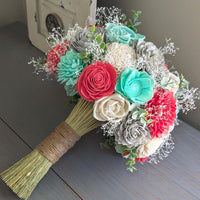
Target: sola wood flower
162,111
96,81
134,85
131,133
53,57
150,147
69,69
81,41
120,56
121,34
111,108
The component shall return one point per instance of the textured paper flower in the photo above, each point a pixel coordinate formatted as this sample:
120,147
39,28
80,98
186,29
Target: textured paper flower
136,86
53,57
121,34
96,81
120,56
69,69
162,110
111,108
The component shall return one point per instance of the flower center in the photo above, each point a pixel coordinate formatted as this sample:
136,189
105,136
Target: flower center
135,88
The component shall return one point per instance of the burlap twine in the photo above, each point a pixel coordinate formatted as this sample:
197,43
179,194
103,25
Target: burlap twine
58,142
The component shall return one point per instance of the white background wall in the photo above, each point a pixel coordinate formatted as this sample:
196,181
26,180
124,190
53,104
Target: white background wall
11,11
176,19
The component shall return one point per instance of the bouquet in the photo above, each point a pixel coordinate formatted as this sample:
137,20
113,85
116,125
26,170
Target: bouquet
119,82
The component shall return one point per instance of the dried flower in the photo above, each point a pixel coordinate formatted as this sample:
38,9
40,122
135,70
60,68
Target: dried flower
111,108
120,56
131,133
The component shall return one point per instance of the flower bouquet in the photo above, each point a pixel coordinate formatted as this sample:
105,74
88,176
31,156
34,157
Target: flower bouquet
120,83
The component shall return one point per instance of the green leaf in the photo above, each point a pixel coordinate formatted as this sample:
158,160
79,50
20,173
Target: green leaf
123,17
86,60
137,23
143,121
103,45
82,55
90,35
119,148
106,48
130,169
130,21
99,39
92,29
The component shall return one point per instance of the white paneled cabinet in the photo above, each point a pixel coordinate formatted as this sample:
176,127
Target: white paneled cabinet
43,15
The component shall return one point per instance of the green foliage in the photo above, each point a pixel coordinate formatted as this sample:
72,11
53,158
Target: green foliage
133,22
86,57
73,100
126,152
140,114
109,142
184,83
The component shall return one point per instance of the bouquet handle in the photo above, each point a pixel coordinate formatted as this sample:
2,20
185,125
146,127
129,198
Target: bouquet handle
58,142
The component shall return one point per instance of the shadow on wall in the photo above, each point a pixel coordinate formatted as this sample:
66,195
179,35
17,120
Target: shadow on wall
12,11
179,20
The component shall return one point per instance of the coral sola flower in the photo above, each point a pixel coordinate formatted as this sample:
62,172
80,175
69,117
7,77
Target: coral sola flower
162,111
53,57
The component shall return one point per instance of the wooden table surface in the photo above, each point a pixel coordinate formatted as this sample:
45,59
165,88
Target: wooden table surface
31,108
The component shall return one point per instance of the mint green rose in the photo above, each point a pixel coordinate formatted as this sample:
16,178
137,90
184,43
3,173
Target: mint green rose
121,34
134,85
69,69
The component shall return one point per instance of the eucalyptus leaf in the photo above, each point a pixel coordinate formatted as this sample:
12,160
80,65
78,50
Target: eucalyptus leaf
92,29
99,39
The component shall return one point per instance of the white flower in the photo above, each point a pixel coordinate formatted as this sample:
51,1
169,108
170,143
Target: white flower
170,82
120,56
111,108
151,146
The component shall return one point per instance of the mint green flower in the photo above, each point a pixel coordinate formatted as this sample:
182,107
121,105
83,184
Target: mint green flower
69,69
134,85
121,34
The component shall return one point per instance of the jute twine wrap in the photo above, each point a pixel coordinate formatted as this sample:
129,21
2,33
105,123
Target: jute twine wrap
58,142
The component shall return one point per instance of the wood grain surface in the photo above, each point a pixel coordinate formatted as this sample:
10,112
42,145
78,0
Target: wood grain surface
31,108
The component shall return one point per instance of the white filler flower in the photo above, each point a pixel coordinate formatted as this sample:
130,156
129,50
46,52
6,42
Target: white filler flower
120,56
111,108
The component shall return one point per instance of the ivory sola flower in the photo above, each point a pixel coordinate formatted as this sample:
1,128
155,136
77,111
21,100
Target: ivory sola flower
120,56
111,108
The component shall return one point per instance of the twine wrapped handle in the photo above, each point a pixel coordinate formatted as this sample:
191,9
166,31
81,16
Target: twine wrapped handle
58,142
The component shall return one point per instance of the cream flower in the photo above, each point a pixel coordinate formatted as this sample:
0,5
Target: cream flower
171,82
120,56
151,146
111,108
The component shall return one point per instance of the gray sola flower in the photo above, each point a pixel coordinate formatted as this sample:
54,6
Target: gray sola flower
81,41
151,59
131,133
